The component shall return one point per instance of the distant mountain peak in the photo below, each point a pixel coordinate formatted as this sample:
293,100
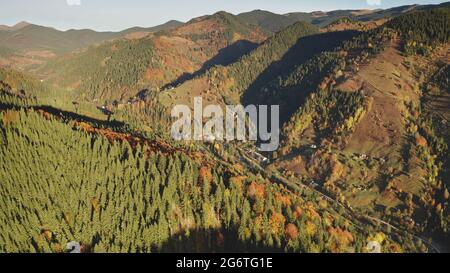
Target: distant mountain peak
173,22
223,15
21,24
222,12
267,20
16,27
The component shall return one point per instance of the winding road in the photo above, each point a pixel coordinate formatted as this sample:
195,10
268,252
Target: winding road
253,163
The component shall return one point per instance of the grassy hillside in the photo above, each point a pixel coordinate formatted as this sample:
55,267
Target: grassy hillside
373,147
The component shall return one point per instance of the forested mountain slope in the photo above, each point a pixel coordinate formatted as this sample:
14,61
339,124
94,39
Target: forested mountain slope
363,136
352,113
26,36
116,191
121,68
267,20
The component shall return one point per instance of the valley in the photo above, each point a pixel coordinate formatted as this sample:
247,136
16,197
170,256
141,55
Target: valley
87,154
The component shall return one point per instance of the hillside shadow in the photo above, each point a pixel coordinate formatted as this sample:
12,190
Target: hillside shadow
214,241
226,56
66,115
303,50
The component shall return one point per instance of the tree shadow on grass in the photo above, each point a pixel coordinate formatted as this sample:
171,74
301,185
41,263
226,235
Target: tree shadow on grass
67,115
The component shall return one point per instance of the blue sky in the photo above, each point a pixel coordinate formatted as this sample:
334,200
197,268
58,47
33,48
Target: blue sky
117,15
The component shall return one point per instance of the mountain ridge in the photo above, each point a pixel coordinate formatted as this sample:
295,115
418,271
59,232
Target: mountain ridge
174,53
323,18
28,36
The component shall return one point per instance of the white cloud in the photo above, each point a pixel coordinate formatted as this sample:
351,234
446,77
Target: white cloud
74,2
374,2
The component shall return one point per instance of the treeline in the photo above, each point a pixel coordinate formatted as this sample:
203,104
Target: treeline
146,114
313,81
332,113
422,30
435,129
429,140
